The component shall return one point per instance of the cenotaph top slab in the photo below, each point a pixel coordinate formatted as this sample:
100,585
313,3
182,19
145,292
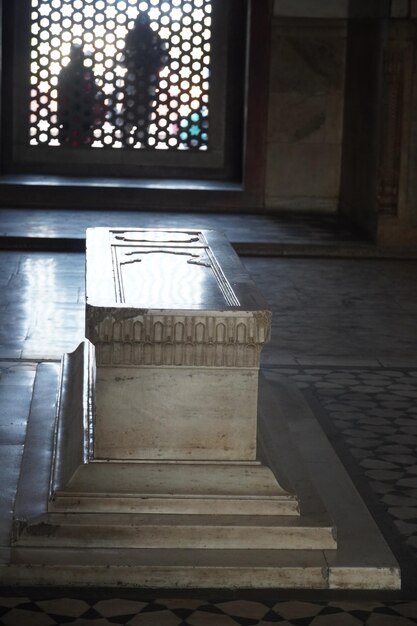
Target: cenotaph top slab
157,269
171,297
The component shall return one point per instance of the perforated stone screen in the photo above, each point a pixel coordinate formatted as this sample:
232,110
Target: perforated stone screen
120,74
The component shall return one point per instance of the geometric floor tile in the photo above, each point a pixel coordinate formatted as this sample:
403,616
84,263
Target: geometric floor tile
74,611
369,413
115,606
70,607
370,416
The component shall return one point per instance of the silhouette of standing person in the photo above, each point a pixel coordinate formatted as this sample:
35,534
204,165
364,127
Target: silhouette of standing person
145,55
80,103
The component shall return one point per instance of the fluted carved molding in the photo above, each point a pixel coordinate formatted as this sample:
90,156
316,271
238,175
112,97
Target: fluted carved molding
200,340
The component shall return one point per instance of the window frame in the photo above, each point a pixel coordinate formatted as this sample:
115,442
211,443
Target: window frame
240,185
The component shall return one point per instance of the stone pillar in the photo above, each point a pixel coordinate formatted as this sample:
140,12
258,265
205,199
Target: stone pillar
397,190
378,190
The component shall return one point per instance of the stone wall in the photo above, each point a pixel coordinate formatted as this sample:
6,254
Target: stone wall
345,8
378,189
311,8
305,114
408,200
342,127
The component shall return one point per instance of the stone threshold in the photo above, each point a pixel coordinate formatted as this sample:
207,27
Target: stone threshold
335,250
53,181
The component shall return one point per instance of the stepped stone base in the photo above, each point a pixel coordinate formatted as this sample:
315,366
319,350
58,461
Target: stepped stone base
177,568
359,562
162,523
217,532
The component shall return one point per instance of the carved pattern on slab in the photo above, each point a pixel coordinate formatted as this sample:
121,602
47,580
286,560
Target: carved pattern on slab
392,121
196,259
217,341
129,246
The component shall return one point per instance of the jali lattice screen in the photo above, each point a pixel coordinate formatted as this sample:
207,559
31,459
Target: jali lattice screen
120,73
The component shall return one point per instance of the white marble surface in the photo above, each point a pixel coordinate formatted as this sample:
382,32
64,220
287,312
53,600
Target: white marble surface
175,413
127,268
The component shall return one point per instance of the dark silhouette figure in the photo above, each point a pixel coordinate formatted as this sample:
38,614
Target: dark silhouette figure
145,55
80,103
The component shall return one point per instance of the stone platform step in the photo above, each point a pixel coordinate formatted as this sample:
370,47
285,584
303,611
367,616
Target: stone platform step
169,569
205,488
173,504
175,531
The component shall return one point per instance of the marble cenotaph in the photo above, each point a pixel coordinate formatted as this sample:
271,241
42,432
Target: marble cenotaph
175,328
157,477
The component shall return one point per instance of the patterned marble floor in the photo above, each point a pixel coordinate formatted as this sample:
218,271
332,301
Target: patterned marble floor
173,611
344,334
370,417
